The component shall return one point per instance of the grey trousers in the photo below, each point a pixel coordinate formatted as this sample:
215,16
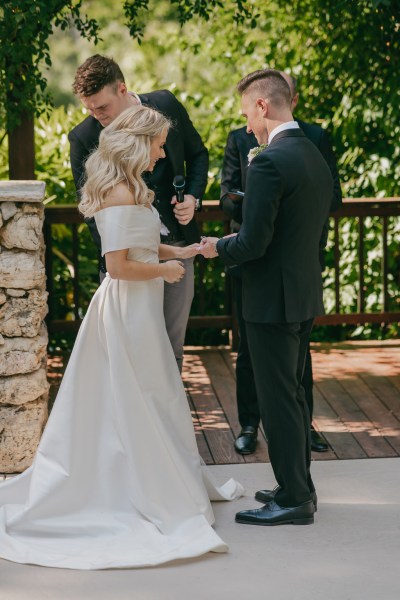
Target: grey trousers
178,299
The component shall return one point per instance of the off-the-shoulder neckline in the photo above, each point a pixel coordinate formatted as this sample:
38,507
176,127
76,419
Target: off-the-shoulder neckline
124,206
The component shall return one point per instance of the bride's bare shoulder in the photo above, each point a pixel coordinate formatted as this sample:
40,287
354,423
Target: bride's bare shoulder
120,195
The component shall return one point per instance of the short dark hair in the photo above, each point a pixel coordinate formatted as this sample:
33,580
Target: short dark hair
269,83
94,74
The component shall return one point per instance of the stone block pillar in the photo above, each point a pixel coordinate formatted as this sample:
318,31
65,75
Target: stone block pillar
23,334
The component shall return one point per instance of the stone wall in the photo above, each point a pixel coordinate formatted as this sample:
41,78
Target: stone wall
23,335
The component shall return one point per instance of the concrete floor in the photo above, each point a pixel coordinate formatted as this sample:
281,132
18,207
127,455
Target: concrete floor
352,552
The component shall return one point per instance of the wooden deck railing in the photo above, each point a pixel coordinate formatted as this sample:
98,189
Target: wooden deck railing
360,208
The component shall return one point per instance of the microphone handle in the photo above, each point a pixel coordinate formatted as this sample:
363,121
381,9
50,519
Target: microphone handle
180,196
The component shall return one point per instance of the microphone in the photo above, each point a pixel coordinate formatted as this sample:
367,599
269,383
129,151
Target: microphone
179,185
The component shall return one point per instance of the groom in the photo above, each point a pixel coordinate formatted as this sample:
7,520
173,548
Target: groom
287,201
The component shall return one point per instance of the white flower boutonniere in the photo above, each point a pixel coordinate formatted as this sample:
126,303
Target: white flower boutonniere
254,151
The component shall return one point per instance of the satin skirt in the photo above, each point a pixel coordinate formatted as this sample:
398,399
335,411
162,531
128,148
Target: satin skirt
117,480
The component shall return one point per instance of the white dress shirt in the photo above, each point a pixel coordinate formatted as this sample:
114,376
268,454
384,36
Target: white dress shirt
283,127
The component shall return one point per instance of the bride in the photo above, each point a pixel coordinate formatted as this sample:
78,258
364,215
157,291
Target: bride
117,480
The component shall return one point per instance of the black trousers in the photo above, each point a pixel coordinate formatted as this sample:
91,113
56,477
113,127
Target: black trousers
246,395
278,353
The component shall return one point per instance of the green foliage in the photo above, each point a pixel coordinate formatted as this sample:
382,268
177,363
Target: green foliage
27,25
3,159
136,12
52,153
346,57
53,167
350,58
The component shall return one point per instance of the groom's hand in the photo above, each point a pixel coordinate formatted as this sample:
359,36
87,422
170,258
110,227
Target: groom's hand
184,211
208,247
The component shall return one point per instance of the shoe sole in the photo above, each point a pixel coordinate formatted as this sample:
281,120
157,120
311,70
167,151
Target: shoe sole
307,521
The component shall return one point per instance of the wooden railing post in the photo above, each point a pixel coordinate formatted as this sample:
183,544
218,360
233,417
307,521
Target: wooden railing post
361,264
337,264
385,264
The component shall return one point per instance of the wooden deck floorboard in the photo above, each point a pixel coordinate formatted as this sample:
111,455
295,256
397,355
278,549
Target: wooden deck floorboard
356,396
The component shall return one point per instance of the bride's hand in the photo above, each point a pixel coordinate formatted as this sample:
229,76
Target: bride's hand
208,247
189,251
172,271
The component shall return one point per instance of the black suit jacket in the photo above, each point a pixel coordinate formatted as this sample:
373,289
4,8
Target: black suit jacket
288,194
235,165
185,155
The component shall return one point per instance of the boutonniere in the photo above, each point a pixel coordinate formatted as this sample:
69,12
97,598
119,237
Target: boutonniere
254,151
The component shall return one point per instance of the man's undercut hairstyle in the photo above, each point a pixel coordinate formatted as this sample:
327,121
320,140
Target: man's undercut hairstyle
94,74
268,84
292,84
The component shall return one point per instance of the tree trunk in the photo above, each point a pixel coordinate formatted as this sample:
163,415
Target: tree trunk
19,110
21,149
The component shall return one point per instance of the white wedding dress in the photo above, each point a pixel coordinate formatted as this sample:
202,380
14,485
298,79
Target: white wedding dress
117,480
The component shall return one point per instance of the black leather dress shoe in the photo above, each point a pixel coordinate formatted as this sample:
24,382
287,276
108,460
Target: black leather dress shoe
265,496
318,444
273,514
246,441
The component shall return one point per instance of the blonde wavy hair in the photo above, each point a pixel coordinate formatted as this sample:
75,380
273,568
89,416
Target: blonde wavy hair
123,154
